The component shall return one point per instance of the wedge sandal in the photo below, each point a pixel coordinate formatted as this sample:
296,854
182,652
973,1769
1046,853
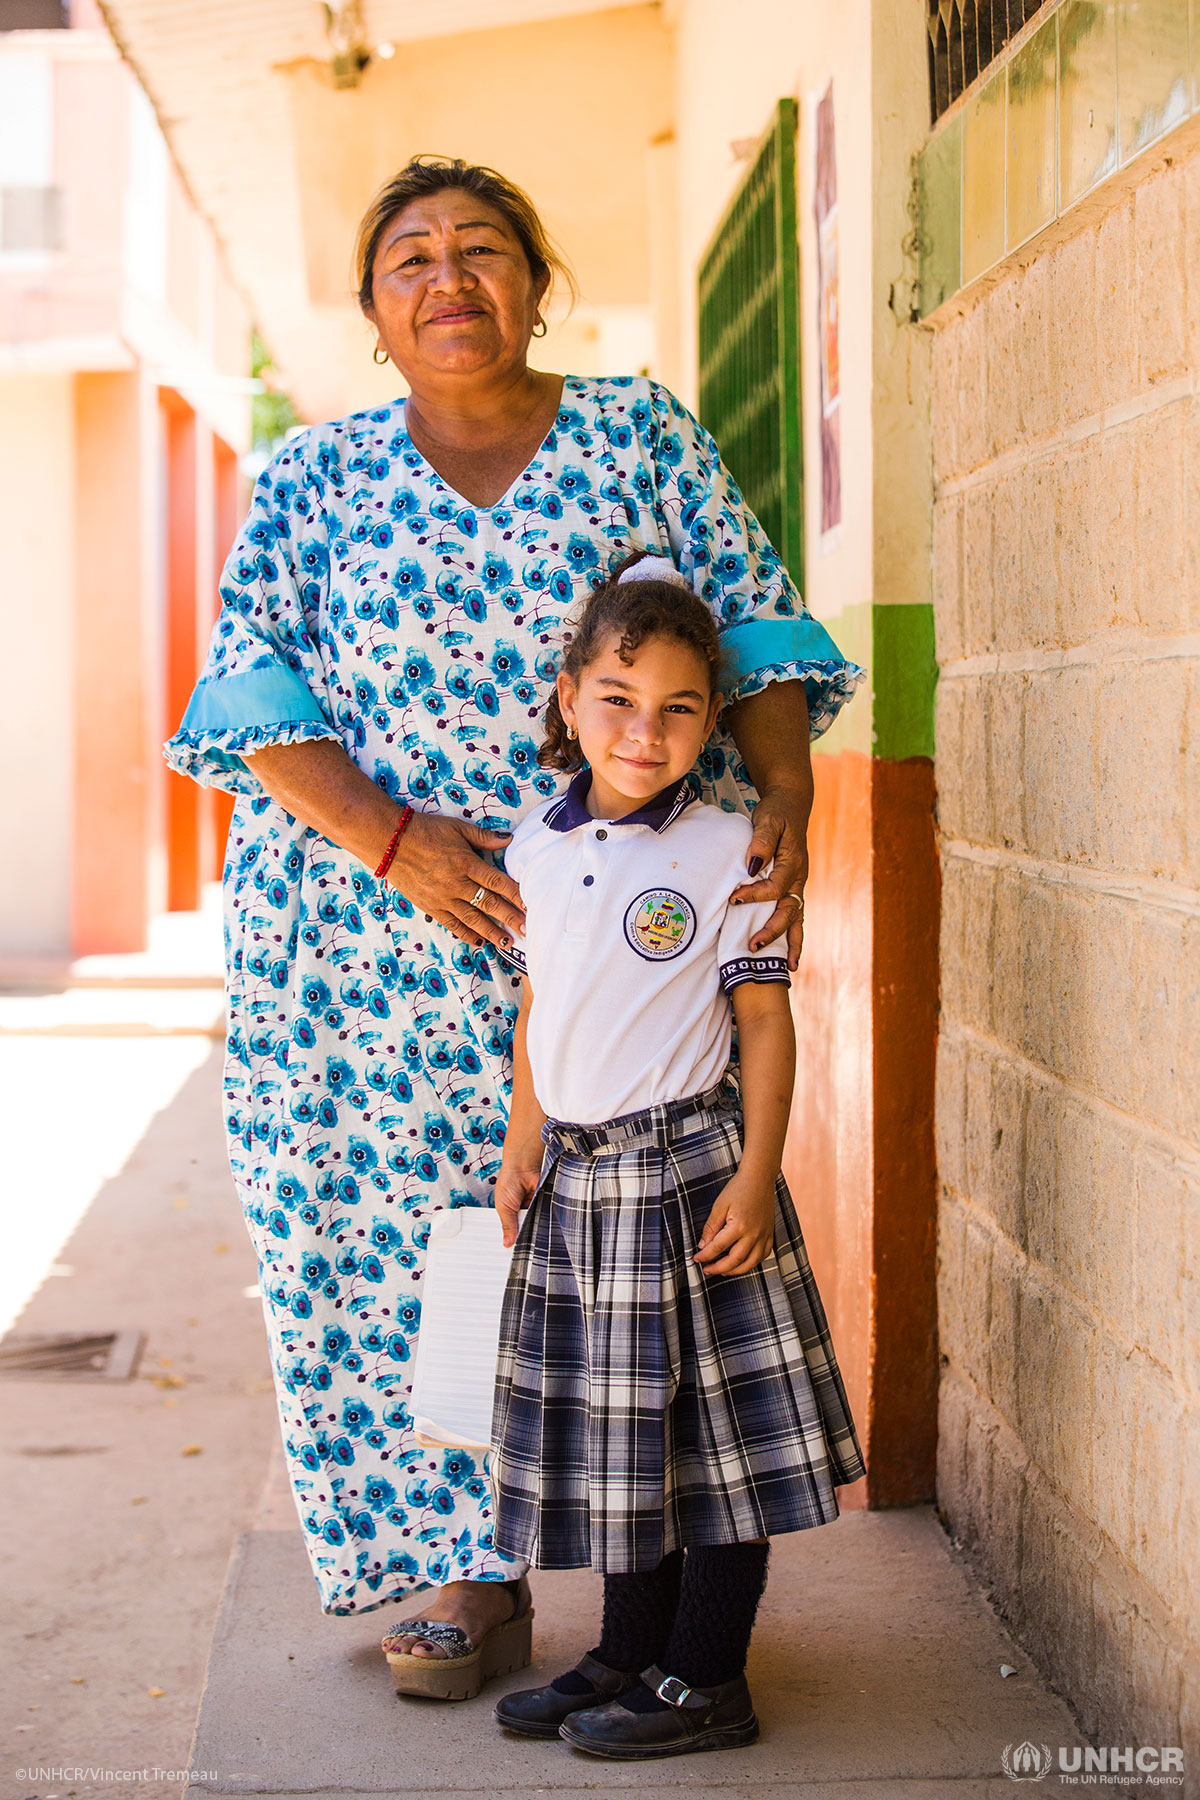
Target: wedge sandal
464,1667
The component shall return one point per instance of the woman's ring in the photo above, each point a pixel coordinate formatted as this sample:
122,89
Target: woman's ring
478,898
798,898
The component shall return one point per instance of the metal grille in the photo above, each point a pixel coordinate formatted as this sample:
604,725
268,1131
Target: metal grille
82,1356
964,37
750,341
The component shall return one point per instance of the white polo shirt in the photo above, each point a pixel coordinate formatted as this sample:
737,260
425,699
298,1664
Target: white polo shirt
633,949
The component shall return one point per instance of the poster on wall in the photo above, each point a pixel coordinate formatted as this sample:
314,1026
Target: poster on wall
825,206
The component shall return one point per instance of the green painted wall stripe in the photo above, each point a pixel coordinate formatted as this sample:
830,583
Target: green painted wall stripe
903,679
892,714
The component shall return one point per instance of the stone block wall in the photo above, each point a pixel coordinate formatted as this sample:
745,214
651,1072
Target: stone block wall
1066,431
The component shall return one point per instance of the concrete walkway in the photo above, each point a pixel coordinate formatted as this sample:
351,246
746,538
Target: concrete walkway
121,1497
876,1671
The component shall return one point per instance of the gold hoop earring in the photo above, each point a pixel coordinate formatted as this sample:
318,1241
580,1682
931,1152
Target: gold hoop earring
572,733
535,332
376,358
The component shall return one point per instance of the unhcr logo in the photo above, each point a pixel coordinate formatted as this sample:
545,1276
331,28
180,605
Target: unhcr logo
1079,1765
1028,1762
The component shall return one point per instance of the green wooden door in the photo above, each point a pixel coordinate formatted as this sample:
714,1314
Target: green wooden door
750,341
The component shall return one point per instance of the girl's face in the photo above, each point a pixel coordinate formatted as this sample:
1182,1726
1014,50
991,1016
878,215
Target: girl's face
641,724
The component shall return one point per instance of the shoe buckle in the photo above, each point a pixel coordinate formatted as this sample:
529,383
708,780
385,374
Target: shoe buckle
673,1691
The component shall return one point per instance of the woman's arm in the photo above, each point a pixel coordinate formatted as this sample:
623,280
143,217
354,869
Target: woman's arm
521,1165
740,1229
436,867
771,731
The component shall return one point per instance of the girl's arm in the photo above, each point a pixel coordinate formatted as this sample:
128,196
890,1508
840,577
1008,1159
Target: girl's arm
521,1164
740,1229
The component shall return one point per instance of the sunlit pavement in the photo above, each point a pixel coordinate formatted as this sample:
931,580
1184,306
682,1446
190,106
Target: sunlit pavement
122,1498
90,1052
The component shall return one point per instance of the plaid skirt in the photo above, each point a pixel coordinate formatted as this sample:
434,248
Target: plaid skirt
642,1406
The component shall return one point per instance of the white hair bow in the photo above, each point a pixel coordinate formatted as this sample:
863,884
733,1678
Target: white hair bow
653,568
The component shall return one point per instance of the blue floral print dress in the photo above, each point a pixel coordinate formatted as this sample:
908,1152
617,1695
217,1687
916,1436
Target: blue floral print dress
368,1063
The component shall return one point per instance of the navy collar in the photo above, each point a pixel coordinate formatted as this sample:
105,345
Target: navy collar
570,812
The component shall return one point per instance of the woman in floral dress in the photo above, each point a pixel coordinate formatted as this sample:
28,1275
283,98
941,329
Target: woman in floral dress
392,615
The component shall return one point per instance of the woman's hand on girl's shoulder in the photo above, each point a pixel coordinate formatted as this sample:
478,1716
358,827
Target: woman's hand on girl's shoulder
740,1230
780,827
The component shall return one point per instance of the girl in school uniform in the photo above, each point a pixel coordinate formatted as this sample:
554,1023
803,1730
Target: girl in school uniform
667,1394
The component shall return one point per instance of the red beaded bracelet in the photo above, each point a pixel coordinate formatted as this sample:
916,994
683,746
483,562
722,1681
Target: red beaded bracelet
388,854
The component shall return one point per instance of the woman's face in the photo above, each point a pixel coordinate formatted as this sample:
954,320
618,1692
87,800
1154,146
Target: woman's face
452,290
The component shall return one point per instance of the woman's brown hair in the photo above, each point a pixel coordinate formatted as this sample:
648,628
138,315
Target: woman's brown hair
632,611
426,175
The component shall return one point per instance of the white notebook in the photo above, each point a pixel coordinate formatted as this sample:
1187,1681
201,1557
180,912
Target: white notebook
466,1268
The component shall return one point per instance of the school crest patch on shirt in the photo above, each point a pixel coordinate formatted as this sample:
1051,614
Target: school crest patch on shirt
660,924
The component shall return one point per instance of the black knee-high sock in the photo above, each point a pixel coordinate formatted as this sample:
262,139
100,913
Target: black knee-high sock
639,1611
722,1586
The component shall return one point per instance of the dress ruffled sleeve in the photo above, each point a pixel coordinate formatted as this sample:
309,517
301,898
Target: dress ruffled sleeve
767,633
263,681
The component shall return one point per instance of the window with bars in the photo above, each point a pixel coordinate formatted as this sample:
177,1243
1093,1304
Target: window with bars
750,341
964,37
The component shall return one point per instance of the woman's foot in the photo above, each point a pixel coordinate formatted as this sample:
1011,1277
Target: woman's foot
475,1606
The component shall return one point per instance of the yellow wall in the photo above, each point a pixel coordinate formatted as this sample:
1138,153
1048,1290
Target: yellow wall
565,107
900,351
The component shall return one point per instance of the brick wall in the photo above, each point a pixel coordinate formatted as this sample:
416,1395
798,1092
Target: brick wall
1067,580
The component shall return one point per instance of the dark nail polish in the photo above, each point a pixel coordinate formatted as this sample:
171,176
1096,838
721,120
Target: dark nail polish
755,864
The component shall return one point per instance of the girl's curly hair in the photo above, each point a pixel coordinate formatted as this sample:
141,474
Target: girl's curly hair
632,611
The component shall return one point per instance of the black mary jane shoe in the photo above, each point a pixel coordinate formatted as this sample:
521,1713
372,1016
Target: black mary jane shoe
538,1712
720,1718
